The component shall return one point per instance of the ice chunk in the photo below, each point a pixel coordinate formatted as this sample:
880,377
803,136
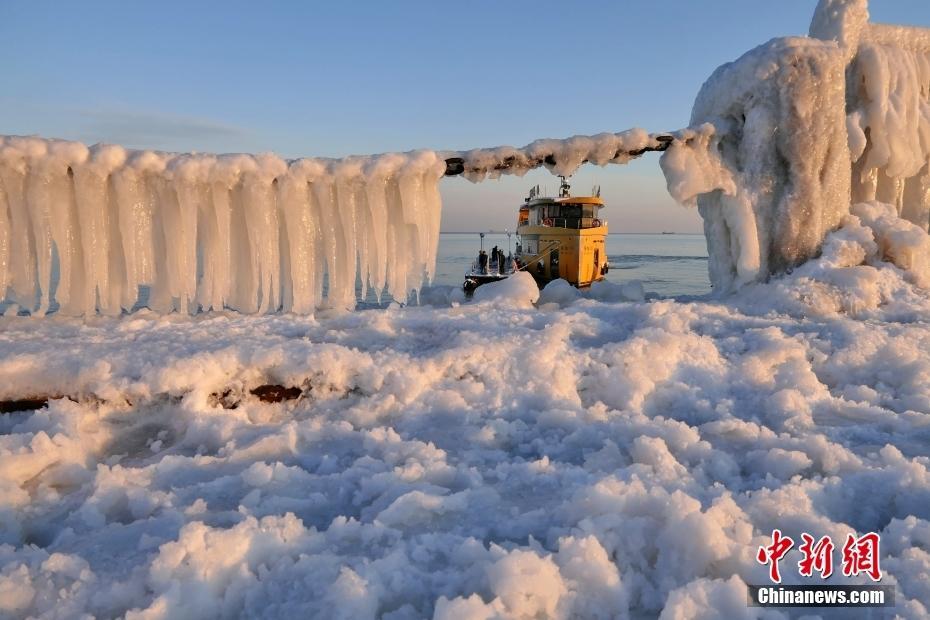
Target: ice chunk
899,241
559,292
842,21
528,586
603,290
519,290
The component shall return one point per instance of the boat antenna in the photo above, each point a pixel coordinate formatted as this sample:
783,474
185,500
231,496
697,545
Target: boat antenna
564,187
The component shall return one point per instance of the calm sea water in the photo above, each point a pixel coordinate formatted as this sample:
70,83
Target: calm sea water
666,264
669,265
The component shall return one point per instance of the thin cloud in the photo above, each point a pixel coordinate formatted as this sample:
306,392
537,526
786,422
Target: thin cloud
145,129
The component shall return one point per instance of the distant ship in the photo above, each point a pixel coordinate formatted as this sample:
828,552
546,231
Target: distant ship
561,237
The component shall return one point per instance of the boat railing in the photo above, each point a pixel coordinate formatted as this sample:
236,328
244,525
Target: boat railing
492,268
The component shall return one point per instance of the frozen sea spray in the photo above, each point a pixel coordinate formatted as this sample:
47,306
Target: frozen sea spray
199,231
785,138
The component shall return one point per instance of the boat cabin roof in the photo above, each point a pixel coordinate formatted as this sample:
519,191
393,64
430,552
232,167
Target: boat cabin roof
581,200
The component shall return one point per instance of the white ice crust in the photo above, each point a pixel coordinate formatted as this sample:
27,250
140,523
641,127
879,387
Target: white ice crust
251,233
581,459
559,156
518,291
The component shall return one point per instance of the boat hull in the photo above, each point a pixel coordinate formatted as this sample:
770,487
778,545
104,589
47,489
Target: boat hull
473,281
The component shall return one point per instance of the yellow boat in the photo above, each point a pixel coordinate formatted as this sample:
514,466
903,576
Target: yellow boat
561,237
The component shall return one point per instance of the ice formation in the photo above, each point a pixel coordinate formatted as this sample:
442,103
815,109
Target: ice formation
787,137
82,229
559,156
518,291
579,459
251,233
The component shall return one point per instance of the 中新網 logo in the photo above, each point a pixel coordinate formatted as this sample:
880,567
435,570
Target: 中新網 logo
860,555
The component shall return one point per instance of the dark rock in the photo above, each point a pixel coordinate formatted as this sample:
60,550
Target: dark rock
24,404
275,393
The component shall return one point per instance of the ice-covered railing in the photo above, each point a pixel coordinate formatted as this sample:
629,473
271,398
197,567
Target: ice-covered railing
90,229
88,226
787,137
559,156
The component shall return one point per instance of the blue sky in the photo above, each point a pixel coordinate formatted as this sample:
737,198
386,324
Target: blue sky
331,79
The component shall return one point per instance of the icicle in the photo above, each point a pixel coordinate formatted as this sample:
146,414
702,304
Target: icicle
95,211
38,196
232,249
301,219
413,201
433,169
378,171
216,248
166,224
208,250
135,188
324,190
65,155
400,243
236,274
261,218
347,173
318,244
22,247
362,234
189,174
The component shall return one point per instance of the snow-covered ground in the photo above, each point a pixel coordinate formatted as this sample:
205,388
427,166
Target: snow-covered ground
582,457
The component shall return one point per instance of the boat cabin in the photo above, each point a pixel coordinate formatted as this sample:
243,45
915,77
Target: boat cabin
563,237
